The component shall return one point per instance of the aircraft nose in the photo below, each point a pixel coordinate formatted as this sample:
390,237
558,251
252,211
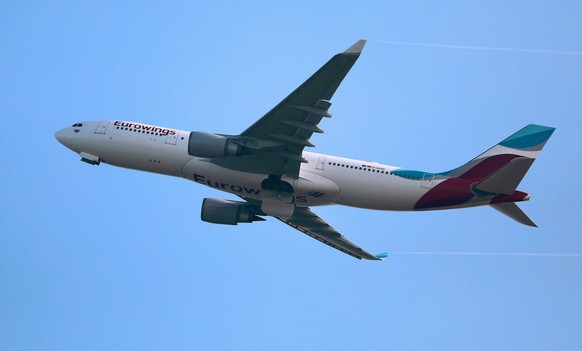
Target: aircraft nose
61,136
65,136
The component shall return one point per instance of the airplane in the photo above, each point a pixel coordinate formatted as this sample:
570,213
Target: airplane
267,168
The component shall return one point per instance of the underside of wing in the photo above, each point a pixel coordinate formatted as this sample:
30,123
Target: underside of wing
307,222
274,144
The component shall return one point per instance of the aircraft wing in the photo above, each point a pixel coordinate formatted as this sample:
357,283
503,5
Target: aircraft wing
275,142
307,222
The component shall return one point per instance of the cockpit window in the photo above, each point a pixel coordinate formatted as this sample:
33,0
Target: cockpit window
78,125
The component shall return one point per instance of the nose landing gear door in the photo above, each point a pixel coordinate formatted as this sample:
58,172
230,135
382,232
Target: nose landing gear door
101,127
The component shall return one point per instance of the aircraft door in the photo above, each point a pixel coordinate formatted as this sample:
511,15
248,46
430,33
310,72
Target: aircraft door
427,181
101,127
172,139
320,163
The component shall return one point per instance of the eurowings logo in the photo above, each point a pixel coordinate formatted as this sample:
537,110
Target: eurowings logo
244,190
143,127
225,186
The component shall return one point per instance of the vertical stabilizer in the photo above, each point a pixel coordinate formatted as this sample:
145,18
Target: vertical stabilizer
500,169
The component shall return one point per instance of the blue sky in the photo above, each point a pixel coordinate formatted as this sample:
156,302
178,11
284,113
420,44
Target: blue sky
98,258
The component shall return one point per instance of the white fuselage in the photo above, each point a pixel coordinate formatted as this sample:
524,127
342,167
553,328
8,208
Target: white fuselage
323,180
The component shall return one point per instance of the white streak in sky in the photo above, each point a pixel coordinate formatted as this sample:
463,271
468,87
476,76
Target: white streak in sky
483,48
534,254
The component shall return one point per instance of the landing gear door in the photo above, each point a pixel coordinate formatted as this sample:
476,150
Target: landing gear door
101,127
320,163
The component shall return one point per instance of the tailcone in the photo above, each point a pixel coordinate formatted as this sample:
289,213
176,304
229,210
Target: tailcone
517,196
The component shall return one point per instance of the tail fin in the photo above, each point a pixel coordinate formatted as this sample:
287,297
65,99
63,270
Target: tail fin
490,178
500,169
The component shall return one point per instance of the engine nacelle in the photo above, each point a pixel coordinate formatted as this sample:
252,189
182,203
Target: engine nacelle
228,212
210,145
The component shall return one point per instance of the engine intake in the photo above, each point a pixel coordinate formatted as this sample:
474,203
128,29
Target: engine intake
210,145
228,212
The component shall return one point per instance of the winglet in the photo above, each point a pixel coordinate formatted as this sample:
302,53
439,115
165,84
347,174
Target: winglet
356,49
382,256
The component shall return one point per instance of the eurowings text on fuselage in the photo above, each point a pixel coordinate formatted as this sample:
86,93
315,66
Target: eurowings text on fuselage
267,166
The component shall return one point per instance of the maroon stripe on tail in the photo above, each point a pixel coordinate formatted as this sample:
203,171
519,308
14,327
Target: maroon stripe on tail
451,192
457,191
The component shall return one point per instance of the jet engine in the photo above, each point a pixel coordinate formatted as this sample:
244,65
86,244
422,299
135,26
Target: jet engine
228,212
210,145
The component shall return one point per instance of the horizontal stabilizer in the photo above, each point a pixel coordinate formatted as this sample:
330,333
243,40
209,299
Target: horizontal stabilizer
506,179
511,210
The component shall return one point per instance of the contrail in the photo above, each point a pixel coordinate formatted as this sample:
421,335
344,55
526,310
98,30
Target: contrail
483,48
534,254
